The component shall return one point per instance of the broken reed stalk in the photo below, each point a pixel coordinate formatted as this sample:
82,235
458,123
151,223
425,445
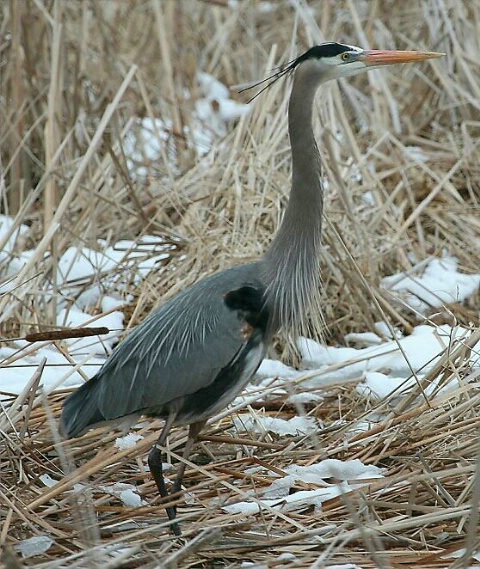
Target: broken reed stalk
53,140
18,103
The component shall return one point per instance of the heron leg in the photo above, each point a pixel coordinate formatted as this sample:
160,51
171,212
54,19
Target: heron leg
156,469
193,432
155,465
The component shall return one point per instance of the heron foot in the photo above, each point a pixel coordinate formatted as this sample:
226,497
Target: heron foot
156,469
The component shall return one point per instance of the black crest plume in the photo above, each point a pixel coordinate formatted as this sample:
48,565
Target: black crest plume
329,49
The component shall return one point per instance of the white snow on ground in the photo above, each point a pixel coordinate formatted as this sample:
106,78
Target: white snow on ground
11,263
399,359
35,545
432,284
282,427
344,566
18,368
136,259
272,368
151,141
126,492
214,112
330,477
460,553
416,153
48,480
9,234
127,441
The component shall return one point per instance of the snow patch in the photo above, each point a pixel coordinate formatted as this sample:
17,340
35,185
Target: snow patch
333,478
432,284
34,546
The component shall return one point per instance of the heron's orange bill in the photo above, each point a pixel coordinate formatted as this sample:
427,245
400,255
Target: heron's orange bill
382,57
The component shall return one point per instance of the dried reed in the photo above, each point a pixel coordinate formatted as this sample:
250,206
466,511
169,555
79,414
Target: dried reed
402,177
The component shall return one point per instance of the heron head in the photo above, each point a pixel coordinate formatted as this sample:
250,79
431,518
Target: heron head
333,60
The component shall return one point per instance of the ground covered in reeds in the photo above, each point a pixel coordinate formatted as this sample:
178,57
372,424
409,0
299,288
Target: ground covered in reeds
400,150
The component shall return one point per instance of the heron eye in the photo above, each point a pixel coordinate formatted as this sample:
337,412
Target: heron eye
345,56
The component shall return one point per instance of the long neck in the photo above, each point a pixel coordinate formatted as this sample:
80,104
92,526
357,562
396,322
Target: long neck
292,264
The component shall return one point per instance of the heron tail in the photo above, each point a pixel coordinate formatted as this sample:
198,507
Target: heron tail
80,410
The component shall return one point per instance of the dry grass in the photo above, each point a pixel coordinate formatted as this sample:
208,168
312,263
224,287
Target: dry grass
73,76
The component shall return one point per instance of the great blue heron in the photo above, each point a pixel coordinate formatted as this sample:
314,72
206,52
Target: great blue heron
195,354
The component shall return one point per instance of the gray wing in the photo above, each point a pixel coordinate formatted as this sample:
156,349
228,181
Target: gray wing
179,349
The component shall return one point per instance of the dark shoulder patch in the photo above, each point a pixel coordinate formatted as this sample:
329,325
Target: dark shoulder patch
249,302
245,298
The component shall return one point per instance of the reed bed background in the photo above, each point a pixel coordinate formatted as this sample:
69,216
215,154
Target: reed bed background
74,75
